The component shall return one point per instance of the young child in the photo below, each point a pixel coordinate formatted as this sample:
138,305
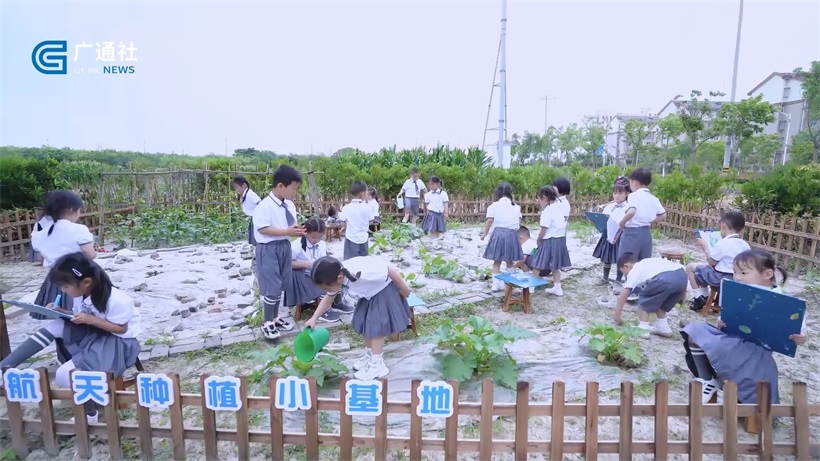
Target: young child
332,215
552,241
607,248
58,236
529,247
302,290
562,188
101,335
274,221
642,210
356,217
411,191
249,200
373,201
504,217
44,222
720,258
436,201
659,283
714,356
382,308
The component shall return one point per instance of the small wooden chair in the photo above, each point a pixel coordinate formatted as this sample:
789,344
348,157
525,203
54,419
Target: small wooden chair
412,326
333,230
525,283
123,383
712,301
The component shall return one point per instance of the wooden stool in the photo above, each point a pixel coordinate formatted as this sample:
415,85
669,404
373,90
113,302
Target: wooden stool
672,256
333,230
395,336
712,301
523,281
122,384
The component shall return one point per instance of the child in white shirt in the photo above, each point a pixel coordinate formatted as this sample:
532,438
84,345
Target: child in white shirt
642,210
435,215
373,201
607,248
248,199
411,191
356,217
552,252
504,217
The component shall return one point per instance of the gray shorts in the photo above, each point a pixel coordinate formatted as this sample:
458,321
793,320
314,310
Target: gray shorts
706,275
411,204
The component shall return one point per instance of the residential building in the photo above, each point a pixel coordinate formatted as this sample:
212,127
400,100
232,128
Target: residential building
785,91
616,144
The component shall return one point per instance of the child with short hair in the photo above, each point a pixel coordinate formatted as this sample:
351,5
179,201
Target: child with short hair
719,259
642,210
504,217
101,335
529,247
248,199
607,248
552,252
332,215
373,201
714,356
355,218
659,284
411,191
435,215
562,188
305,251
382,308
274,221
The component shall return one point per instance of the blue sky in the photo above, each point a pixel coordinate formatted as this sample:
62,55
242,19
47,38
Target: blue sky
302,76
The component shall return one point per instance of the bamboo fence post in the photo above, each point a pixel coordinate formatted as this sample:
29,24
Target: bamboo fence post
101,227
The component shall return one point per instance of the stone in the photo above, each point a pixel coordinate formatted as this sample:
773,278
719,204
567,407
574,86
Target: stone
224,259
144,356
238,339
155,257
141,287
213,341
187,299
239,332
146,347
245,272
240,279
190,282
152,273
159,350
180,296
211,300
248,310
234,290
340,346
186,314
177,328
189,340
243,305
404,264
232,323
187,250
221,290
214,310
245,293
176,312
193,308
146,253
237,316
222,295
203,306
232,276
116,279
137,304
247,256
186,348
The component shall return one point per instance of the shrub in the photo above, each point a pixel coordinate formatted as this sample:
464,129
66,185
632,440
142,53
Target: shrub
793,189
613,344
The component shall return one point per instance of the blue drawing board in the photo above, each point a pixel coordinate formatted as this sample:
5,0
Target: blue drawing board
710,235
521,280
413,300
52,314
761,316
599,220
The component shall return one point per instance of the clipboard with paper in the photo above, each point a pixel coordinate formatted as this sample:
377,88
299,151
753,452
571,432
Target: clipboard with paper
761,316
712,236
36,308
598,219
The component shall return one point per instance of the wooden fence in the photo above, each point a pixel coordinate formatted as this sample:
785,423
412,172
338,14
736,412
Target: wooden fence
803,446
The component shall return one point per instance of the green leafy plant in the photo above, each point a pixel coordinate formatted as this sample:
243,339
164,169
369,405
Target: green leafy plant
476,348
614,344
281,361
413,279
584,230
380,243
179,225
8,455
448,269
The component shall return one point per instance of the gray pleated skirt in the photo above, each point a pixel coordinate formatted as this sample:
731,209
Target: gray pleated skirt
274,267
735,359
302,290
385,313
605,251
48,292
503,246
251,237
552,254
93,349
433,222
636,240
353,250
706,275
662,291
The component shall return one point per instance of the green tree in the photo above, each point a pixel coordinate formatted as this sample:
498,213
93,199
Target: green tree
695,116
811,93
532,147
743,119
758,152
569,140
669,129
636,131
592,139
801,150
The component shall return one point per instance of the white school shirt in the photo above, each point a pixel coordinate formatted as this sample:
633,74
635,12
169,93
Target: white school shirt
436,200
45,222
357,214
119,310
374,204
270,213
412,189
310,254
645,269
777,289
528,247
564,206
66,238
552,217
373,277
249,202
647,208
613,224
725,251
505,215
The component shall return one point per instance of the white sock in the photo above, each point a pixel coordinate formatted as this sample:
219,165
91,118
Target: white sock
701,292
368,351
556,285
377,358
644,325
662,324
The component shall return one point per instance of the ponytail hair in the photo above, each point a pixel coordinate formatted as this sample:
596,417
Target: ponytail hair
313,224
73,268
548,192
326,271
372,192
60,202
504,189
761,260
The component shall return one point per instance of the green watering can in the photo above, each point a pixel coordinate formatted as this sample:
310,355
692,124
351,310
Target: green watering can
309,342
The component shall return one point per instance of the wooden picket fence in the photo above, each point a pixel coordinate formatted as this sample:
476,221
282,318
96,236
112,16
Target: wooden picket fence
803,447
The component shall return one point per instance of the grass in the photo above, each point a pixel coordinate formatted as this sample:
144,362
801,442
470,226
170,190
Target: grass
435,295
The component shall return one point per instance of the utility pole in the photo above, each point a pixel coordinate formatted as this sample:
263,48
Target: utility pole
546,100
502,106
727,152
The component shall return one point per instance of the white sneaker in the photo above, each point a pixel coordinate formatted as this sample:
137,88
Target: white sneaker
283,325
270,332
710,388
92,419
362,362
557,291
665,332
719,397
373,370
632,298
646,334
498,285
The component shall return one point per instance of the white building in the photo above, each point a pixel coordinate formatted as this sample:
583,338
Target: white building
616,144
785,91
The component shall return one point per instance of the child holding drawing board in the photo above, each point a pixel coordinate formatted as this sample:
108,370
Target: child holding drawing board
382,308
248,199
607,248
715,356
659,284
720,257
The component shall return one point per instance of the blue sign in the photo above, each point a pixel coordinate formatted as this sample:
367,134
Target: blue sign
22,386
292,394
49,57
155,390
435,399
90,385
364,398
222,393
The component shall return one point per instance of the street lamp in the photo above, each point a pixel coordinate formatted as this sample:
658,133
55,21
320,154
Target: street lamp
786,139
